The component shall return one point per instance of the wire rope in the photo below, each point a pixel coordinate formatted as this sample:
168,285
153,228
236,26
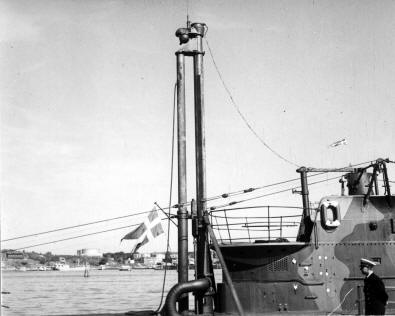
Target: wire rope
239,192
265,195
75,226
170,195
241,114
175,206
75,237
285,190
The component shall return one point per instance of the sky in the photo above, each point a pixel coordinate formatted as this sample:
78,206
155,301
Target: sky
86,95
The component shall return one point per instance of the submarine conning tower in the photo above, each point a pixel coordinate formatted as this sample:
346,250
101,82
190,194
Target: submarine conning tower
319,272
359,182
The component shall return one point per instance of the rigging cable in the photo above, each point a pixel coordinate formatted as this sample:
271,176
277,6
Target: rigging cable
170,195
239,192
241,114
265,195
75,226
80,236
226,195
344,298
234,193
75,237
167,214
175,206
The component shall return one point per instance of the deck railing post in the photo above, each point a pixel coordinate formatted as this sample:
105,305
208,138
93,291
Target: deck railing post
281,227
248,230
227,226
268,222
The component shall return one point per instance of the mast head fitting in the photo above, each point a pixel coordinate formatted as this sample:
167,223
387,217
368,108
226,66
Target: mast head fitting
200,28
183,35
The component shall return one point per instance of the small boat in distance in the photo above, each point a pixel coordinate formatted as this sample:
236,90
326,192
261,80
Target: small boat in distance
66,267
165,265
125,268
139,266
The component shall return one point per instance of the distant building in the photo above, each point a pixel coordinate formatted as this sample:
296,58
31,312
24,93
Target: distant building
149,261
137,255
89,253
160,257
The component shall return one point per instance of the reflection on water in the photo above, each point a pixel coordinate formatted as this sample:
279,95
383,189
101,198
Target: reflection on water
60,293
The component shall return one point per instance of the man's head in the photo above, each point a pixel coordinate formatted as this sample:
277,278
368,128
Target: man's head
367,265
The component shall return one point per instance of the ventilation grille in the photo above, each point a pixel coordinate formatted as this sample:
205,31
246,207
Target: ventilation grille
277,264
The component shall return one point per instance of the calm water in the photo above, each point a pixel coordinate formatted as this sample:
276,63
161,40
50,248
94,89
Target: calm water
60,293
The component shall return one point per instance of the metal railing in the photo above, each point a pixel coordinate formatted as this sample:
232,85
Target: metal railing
256,224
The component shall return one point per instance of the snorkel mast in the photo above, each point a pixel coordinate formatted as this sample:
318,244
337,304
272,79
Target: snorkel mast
196,32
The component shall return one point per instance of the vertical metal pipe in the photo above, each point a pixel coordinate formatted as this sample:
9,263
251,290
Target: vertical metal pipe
182,181
376,185
204,305
305,192
200,153
370,187
387,184
304,229
342,188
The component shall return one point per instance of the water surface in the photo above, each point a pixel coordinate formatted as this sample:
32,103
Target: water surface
107,291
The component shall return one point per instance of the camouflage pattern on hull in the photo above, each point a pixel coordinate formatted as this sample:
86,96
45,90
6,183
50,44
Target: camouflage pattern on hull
323,275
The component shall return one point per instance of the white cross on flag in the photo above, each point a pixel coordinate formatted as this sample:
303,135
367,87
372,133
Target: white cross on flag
146,231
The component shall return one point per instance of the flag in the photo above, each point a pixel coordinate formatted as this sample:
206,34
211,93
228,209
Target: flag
338,143
146,231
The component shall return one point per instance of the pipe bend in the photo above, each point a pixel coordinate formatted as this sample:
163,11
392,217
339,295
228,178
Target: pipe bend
177,290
